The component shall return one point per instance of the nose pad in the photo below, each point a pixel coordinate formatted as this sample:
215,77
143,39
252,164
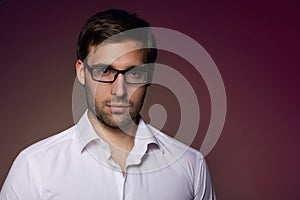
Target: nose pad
119,86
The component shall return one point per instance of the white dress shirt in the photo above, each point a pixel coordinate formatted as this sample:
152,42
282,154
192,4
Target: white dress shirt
76,164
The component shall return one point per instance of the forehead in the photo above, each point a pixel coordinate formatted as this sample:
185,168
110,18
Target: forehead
108,53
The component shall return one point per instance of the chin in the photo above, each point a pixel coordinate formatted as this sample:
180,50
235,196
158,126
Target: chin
115,122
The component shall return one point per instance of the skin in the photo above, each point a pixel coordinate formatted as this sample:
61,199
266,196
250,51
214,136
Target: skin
113,108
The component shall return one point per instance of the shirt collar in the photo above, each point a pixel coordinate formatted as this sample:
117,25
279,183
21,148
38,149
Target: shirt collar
144,140
86,132
144,136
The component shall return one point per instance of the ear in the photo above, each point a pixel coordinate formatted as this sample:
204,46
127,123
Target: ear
80,72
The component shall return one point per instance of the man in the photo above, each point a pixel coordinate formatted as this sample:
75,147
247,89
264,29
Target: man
111,153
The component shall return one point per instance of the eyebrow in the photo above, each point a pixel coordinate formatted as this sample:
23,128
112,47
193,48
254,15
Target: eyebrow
101,65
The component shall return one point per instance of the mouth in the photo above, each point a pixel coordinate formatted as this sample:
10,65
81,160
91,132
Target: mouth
118,108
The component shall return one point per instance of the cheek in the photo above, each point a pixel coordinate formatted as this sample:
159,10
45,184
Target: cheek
96,92
138,94
101,93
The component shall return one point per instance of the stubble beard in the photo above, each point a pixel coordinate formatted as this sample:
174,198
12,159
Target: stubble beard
114,120
117,120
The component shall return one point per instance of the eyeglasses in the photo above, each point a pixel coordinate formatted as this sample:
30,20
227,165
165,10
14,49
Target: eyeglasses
106,74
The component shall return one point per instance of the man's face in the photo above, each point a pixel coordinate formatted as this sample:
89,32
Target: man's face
114,104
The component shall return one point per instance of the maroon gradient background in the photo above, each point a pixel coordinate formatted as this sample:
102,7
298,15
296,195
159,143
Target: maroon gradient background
254,44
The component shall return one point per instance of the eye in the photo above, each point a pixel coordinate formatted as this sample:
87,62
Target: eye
136,73
102,70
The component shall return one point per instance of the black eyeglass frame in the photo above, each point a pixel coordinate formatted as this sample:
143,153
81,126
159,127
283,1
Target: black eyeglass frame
90,69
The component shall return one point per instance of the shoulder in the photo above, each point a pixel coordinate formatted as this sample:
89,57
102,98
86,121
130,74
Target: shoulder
44,154
177,149
23,179
51,144
185,161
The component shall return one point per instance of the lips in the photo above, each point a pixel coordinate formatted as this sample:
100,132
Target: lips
118,108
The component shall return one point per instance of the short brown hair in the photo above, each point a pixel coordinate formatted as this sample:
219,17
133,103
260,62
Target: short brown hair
106,24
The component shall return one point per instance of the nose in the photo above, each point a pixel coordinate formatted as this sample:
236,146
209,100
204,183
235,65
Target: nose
119,86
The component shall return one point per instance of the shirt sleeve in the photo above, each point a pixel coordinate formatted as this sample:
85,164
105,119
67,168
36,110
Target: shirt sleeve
21,182
204,189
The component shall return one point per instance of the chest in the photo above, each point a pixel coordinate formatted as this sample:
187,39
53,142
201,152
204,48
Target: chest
100,181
